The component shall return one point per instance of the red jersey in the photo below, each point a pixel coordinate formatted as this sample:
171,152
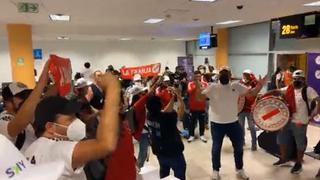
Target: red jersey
140,116
194,103
164,95
122,160
249,100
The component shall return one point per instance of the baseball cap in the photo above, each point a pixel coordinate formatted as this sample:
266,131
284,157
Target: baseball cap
166,78
15,166
225,68
49,107
81,83
137,90
298,73
247,71
16,89
137,77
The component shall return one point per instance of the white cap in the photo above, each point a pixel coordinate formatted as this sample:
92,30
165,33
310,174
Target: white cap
17,87
215,72
298,73
225,68
14,165
166,78
137,77
136,90
81,83
247,71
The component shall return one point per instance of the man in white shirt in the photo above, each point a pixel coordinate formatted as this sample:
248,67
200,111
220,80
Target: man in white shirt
299,102
60,131
223,116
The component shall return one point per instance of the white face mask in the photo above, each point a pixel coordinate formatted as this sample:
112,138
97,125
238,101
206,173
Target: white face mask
76,131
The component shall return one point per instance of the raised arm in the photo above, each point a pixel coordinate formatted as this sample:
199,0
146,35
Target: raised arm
181,107
254,91
199,90
108,129
26,112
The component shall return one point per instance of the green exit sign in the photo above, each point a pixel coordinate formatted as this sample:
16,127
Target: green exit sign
28,7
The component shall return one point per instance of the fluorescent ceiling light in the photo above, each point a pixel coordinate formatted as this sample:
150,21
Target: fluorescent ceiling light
203,0
179,39
316,3
153,20
228,22
125,39
63,38
59,17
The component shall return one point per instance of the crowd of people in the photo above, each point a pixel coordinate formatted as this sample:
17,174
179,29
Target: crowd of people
91,131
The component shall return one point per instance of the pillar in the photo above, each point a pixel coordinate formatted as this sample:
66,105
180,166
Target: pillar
222,49
21,53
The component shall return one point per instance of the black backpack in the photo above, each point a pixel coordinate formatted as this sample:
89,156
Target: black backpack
313,104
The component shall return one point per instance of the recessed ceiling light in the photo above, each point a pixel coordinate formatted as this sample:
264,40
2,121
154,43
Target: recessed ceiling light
316,3
153,20
203,0
63,38
228,22
125,39
59,17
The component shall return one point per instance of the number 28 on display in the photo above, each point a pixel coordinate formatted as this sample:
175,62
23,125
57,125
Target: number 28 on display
289,29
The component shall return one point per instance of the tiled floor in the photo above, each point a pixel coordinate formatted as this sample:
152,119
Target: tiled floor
257,164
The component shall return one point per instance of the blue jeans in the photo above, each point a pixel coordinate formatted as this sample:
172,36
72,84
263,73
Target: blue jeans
143,149
242,119
235,133
177,164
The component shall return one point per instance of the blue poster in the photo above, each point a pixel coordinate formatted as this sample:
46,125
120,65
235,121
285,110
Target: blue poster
37,53
314,71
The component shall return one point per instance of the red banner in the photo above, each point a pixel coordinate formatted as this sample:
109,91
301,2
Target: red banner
60,69
144,71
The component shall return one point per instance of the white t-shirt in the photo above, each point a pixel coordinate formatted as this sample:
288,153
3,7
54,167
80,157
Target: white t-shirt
29,131
223,103
45,150
301,114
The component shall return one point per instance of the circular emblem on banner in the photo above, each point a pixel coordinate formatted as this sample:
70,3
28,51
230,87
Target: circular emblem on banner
156,68
271,113
318,60
241,102
317,74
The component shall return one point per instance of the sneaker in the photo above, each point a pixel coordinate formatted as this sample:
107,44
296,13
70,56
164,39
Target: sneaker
297,168
215,175
203,139
242,175
281,162
191,138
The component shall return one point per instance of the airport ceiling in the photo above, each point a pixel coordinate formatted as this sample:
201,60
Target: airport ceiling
116,19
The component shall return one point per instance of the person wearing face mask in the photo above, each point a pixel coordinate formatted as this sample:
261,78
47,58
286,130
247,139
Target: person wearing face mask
60,132
299,98
197,108
223,111
249,81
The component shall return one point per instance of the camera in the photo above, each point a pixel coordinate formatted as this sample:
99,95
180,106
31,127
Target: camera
240,7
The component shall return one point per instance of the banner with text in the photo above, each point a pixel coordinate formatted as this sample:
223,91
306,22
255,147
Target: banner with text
144,71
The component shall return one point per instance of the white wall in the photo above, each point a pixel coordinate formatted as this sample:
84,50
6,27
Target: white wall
101,54
248,48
